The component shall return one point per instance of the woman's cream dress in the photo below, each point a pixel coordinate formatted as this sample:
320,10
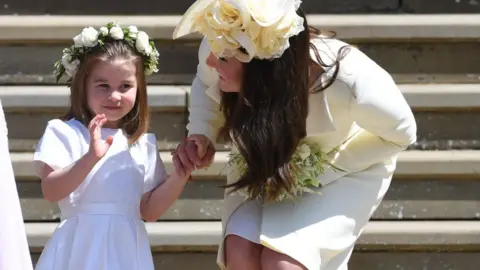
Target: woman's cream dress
365,113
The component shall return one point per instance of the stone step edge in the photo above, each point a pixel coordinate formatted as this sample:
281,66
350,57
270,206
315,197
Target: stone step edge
14,97
410,163
376,233
396,26
175,96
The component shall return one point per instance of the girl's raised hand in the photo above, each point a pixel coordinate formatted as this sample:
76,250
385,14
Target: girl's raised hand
98,146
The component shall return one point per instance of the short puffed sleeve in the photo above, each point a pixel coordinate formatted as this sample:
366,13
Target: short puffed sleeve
55,147
155,172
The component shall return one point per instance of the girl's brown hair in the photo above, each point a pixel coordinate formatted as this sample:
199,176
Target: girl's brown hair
136,122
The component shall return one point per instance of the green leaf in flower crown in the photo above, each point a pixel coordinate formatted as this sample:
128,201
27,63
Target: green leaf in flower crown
130,42
59,70
111,24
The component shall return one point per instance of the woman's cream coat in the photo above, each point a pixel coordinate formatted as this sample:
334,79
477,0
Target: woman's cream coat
365,114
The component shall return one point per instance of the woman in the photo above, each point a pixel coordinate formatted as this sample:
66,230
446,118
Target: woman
267,82
14,253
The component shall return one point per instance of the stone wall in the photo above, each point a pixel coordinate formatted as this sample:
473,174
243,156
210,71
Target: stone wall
164,7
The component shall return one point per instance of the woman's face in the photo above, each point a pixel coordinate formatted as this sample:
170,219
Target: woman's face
230,72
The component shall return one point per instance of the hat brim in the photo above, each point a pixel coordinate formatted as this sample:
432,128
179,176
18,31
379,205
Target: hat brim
186,24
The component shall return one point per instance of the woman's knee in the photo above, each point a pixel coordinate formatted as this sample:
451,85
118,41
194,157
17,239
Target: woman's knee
272,260
241,253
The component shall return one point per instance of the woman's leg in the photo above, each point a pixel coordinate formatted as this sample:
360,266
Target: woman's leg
272,260
241,254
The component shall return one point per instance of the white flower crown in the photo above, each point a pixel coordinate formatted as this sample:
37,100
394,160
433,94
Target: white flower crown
91,38
261,28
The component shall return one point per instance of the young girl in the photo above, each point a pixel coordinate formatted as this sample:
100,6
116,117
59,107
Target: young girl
98,162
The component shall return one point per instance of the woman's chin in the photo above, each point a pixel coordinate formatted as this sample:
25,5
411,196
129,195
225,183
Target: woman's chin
227,88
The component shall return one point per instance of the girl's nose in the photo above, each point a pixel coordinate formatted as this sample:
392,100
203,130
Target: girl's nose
115,96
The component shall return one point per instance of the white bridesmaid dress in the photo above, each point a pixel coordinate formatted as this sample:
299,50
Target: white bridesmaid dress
101,227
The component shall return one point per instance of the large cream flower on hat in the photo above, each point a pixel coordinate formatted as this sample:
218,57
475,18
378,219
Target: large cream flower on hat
269,12
243,28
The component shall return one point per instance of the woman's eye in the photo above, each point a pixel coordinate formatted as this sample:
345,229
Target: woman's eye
103,85
222,59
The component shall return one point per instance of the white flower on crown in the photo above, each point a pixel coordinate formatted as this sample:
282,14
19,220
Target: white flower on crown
88,38
116,32
103,31
143,44
132,31
70,66
261,27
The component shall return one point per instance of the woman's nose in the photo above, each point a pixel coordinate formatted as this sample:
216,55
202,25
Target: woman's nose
211,61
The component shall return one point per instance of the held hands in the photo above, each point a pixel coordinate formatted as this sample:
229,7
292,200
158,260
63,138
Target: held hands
195,152
98,147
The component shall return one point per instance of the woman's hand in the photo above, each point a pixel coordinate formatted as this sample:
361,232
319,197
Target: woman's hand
195,152
204,148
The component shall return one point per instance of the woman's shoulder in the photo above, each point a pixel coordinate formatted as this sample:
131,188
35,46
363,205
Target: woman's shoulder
331,49
351,60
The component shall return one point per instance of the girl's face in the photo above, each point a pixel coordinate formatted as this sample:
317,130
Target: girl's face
112,89
230,72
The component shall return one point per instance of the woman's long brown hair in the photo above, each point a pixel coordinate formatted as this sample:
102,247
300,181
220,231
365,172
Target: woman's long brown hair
266,120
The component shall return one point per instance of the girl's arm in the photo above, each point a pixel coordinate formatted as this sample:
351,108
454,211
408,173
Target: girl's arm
157,201
61,172
160,189
58,184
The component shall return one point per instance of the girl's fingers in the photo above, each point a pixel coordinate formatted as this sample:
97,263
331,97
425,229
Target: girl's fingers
201,144
102,122
109,140
191,150
179,169
95,124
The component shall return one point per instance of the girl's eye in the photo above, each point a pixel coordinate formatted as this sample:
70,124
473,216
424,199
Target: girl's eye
222,59
126,86
103,85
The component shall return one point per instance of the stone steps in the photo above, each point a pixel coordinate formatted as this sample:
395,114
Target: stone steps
356,27
429,198
378,235
383,245
444,112
432,97
411,164
70,7
160,98
360,260
428,185
409,60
